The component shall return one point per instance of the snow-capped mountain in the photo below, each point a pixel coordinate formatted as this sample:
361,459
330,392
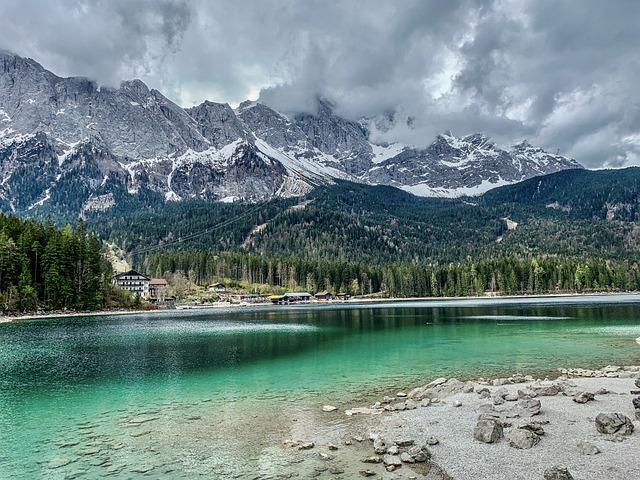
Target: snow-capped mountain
69,141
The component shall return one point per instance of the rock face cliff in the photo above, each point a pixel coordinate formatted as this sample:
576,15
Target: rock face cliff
69,141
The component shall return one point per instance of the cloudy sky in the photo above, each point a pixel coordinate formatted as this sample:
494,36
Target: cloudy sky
564,74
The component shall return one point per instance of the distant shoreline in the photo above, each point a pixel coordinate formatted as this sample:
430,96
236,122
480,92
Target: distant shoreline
56,314
351,301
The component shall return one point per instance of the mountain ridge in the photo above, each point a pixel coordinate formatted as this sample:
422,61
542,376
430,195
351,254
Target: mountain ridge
136,138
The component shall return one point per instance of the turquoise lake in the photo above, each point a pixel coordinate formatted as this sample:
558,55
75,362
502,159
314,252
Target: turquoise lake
207,393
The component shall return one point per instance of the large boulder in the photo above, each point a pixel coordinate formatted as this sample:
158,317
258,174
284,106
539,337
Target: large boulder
487,431
523,439
528,407
614,423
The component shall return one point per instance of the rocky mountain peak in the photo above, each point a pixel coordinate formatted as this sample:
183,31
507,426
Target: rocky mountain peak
134,138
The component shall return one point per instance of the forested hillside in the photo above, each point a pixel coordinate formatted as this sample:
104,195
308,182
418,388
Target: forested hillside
52,268
571,231
576,213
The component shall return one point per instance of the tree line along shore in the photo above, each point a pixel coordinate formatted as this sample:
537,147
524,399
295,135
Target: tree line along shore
46,268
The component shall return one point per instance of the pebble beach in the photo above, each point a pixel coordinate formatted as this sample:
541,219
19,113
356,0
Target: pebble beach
537,429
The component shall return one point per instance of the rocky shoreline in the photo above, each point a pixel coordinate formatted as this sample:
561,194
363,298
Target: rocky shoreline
579,425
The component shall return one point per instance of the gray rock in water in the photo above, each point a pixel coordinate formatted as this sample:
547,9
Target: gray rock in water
487,431
586,448
457,403
610,423
557,473
393,450
523,439
636,403
583,397
637,382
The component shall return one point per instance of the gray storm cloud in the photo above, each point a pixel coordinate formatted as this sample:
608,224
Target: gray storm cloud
561,74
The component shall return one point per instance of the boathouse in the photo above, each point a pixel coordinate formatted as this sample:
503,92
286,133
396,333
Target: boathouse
291,297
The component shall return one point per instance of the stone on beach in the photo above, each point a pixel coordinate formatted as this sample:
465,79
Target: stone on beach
528,407
611,423
547,389
487,431
392,460
557,473
583,397
432,441
523,439
329,408
586,448
535,427
420,453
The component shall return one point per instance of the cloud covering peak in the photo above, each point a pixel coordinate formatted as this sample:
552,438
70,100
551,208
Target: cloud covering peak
561,74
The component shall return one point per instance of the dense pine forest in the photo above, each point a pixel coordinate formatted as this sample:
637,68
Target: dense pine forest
44,267
503,276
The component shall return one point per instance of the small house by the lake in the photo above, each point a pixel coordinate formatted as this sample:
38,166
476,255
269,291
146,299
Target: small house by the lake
158,288
323,296
217,287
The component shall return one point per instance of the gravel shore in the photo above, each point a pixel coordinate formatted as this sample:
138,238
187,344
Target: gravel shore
447,412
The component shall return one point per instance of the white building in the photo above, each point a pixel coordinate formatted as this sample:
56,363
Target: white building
134,282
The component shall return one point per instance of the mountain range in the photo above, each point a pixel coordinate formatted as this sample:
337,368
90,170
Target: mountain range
71,143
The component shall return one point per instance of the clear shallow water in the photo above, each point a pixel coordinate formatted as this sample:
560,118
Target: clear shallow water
189,393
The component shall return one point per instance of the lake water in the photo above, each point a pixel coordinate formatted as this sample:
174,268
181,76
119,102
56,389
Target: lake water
213,393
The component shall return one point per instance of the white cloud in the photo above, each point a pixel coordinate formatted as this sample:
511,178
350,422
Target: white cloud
561,74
